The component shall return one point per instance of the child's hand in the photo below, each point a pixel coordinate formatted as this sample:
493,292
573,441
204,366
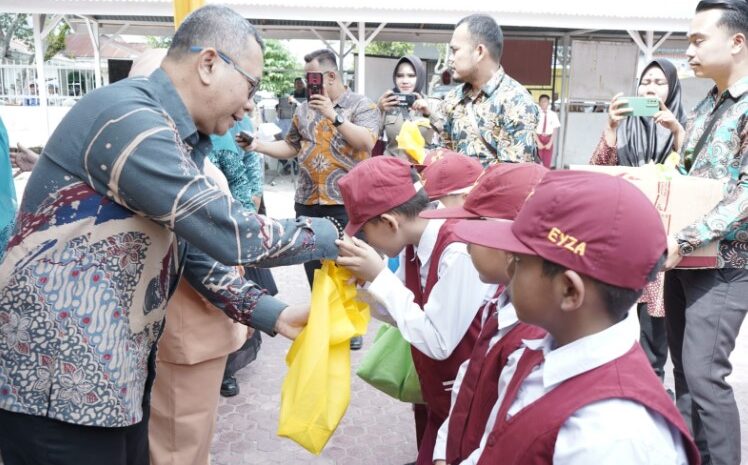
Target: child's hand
360,259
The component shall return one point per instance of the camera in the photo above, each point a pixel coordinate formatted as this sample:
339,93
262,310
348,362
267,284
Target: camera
245,137
405,100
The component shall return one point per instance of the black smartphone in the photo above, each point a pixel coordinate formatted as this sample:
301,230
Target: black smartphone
314,84
405,100
246,137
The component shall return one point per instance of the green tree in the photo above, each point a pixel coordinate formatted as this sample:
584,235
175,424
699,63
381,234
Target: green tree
159,42
14,25
281,68
56,41
390,49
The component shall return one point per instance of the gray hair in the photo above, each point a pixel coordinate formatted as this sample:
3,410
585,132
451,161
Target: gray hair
214,26
485,30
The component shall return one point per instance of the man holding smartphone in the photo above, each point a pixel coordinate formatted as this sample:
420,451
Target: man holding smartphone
330,132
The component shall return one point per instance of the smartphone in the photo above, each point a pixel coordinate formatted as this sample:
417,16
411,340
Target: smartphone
246,137
643,106
314,84
405,100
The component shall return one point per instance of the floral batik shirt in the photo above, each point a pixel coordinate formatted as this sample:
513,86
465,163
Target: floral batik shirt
503,117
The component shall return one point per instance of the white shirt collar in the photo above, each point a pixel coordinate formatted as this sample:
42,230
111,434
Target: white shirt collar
428,240
582,355
506,313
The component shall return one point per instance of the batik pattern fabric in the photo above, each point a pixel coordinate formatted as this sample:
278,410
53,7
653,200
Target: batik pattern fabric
324,155
116,210
504,117
724,158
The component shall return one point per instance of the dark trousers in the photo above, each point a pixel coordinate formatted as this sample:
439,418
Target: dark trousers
704,312
31,440
319,211
653,339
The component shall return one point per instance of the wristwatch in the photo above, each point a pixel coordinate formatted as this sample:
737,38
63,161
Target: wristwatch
338,120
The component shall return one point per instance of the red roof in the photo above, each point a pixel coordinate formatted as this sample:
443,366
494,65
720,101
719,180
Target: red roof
79,45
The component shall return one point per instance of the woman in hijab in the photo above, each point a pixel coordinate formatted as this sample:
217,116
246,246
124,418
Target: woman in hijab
636,141
409,77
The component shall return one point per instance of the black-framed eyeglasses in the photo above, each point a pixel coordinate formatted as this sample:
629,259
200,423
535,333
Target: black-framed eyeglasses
254,83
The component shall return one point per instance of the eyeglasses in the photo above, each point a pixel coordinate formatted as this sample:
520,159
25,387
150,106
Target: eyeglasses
254,83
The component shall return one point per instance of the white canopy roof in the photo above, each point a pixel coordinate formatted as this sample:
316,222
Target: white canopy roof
642,15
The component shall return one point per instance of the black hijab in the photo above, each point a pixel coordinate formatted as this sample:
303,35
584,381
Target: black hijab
417,65
640,140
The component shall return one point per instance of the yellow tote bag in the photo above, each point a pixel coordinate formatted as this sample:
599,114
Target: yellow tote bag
411,141
317,388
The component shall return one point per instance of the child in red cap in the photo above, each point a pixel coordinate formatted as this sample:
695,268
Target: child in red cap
449,178
435,298
499,194
583,247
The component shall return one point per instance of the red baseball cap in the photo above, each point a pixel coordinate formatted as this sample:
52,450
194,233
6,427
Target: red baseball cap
450,174
598,225
376,186
499,193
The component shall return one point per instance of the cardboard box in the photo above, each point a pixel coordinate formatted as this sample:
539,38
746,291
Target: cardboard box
681,200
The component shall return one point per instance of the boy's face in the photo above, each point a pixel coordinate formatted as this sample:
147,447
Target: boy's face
385,235
491,264
532,292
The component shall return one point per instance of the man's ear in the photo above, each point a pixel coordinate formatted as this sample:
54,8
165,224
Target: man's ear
207,60
738,43
570,287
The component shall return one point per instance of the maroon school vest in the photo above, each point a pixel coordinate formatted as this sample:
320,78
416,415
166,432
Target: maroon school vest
480,387
437,376
529,437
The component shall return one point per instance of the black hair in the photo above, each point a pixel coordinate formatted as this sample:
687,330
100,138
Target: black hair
618,300
734,13
214,26
485,30
324,57
546,96
412,207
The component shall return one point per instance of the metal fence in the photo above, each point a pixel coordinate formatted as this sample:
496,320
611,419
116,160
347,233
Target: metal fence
65,83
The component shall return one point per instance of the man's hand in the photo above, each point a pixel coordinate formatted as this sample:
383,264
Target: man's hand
323,105
23,158
673,254
292,320
360,259
245,146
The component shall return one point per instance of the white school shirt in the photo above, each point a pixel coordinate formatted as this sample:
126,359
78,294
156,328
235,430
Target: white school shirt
438,328
552,125
616,431
507,320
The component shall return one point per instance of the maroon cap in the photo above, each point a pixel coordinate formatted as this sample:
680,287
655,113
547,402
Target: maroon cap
450,174
376,186
598,225
499,193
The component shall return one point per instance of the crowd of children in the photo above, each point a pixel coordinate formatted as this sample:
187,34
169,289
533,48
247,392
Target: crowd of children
514,288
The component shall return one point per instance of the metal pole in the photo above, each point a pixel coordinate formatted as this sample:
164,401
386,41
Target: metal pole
41,82
564,101
361,68
93,34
